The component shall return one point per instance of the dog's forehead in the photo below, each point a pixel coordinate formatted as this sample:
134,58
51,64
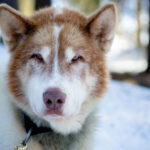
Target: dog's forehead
47,19
58,32
59,16
58,37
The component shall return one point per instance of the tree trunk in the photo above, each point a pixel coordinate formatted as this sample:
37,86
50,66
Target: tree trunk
42,3
148,47
138,22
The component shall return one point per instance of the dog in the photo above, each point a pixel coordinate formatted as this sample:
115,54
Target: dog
55,77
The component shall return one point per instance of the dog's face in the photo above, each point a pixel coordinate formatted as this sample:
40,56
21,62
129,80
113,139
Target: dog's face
57,68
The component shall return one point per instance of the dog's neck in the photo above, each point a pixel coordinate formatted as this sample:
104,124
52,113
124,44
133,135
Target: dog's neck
48,138
29,124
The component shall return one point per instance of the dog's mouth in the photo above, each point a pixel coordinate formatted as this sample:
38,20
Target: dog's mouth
53,112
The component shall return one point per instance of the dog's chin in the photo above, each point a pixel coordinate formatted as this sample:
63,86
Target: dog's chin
53,116
64,124
58,116
59,122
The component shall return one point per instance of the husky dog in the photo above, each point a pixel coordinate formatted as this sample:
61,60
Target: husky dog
55,77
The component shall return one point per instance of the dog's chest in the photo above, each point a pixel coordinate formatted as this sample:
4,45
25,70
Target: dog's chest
77,141
54,141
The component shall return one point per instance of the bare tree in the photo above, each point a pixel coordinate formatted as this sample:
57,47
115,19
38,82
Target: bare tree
42,3
138,22
148,47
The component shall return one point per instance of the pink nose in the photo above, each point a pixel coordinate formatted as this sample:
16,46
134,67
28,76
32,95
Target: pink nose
54,99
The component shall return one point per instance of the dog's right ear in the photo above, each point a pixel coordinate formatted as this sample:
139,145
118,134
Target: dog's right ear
14,26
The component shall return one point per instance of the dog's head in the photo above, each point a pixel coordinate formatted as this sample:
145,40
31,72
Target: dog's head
57,68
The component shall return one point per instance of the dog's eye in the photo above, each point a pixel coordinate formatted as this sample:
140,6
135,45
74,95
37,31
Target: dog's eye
38,58
77,58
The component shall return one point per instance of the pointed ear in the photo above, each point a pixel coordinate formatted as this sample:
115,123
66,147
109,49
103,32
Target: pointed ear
101,26
14,26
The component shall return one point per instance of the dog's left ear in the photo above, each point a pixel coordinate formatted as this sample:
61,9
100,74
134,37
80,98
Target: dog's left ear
101,26
14,26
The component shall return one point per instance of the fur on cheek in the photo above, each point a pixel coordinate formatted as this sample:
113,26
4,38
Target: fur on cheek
66,125
14,84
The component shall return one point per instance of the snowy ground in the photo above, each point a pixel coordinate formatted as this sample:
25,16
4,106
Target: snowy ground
124,115
124,118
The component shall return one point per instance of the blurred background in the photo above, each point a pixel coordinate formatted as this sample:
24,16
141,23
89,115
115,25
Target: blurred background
129,57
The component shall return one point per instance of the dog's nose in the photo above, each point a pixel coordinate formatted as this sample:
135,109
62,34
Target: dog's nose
54,99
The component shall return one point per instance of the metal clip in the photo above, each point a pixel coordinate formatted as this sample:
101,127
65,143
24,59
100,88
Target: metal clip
21,147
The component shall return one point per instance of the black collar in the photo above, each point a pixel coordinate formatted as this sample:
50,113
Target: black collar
32,128
29,124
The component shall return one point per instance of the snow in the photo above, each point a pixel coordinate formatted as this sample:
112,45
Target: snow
124,116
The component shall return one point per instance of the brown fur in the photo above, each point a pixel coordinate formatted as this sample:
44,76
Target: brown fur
89,36
74,31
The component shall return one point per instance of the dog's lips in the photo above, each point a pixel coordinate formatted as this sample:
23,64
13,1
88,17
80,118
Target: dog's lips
53,112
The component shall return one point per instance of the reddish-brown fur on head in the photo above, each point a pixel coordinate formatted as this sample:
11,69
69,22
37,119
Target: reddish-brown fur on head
73,49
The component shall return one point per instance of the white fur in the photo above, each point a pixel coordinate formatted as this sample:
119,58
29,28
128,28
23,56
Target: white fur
57,30
75,88
69,54
76,95
45,52
11,130
35,94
